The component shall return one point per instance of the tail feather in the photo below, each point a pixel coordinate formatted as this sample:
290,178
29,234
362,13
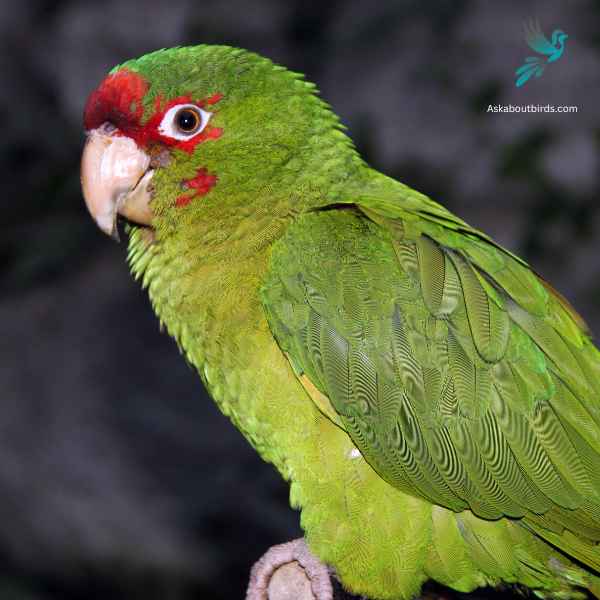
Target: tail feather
533,66
525,69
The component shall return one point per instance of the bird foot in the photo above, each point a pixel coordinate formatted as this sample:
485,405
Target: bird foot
289,572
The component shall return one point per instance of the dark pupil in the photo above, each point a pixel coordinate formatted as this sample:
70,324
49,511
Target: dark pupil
187,120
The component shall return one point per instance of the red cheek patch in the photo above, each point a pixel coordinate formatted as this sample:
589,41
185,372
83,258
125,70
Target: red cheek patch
200,186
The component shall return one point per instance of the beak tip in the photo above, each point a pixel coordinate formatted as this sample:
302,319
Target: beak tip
114,234
106,223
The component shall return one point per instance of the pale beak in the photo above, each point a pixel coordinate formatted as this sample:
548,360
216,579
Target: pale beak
115,178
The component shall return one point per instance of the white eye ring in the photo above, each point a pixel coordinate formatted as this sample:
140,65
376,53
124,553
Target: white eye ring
169,127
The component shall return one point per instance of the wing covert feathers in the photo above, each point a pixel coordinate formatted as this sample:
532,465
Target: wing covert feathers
459,374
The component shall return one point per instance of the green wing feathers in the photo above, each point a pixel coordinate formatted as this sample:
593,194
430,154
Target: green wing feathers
459,374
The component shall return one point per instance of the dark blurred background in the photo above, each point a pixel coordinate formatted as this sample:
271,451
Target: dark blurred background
118,476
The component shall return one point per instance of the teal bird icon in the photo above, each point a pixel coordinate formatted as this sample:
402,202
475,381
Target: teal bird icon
551,51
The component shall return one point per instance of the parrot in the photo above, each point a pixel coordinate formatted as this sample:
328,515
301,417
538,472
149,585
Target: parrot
433,402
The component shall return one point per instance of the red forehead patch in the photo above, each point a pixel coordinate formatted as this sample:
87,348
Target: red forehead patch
118,99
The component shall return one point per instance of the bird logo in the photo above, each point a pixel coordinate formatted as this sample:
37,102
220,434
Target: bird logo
550,52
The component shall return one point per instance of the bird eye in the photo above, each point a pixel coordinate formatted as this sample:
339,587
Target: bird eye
183,121
187,120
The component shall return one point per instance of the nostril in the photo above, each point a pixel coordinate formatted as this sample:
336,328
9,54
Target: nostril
107,128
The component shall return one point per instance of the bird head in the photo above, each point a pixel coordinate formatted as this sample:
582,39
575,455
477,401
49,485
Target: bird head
177,132
558,37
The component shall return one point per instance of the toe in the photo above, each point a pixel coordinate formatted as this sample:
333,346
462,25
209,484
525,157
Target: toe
289,571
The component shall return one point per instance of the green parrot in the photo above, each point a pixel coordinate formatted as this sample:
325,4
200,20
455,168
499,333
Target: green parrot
433,403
